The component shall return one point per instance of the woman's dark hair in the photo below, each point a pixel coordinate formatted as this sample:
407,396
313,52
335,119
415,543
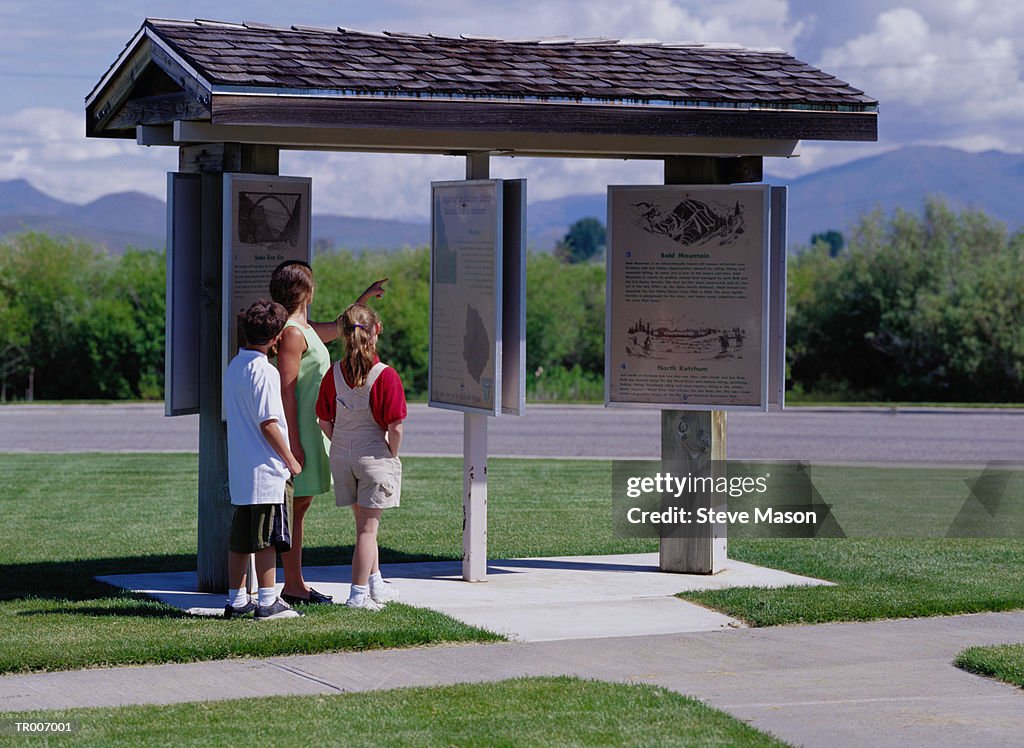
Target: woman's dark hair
291,284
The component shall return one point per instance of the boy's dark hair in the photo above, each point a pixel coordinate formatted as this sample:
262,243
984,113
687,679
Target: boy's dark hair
262,321
291,284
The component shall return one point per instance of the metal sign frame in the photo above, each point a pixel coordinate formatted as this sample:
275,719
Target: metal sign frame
181,332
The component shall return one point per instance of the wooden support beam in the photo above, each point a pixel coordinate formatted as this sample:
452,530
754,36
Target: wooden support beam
693,443
215,510
229,157
713,170
576,119
474,454
694,440
214,500
451,141
158,110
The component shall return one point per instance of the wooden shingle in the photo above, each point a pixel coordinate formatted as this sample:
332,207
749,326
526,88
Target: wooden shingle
519,91
497,68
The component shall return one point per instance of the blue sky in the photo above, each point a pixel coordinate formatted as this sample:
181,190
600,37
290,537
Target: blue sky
947,72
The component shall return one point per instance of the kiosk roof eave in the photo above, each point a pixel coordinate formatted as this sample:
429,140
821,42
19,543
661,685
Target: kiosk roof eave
452,141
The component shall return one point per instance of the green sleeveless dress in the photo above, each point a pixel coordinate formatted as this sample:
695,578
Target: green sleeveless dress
315,477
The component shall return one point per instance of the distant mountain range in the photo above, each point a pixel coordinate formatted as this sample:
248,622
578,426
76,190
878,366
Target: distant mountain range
131,219
832,198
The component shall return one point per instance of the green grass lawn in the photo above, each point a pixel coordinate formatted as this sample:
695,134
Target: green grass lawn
1002,661
876,578
70,518
521,712
897,561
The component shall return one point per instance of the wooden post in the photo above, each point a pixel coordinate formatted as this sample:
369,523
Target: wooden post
692,439
474,455
214,501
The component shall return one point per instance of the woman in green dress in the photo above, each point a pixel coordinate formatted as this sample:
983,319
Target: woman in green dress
302,360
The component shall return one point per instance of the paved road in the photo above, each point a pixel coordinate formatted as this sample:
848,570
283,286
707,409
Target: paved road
887,683
815,434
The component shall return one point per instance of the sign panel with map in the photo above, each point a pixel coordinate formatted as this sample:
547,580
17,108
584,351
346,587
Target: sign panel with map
688,297
266,221
465,296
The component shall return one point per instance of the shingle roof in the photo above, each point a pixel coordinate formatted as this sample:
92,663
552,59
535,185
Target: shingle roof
311,61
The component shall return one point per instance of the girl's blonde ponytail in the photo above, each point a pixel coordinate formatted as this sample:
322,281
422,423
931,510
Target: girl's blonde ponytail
358,327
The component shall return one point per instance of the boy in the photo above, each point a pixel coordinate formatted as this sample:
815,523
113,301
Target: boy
260,466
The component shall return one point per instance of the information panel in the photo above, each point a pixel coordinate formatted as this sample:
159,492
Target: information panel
687,293
465,296
181,339
266,221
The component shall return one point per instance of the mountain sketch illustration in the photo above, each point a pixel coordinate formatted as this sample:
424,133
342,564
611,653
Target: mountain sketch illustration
268,218
691,223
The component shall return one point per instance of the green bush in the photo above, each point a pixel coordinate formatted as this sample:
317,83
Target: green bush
564,316
79,323
404,310
914,307
917,307
558,384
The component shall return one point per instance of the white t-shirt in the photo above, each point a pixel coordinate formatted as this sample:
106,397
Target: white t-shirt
252,395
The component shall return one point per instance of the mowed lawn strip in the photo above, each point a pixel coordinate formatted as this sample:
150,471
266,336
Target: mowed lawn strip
882,570
71,518
1002,661
77,516
521,712
875,578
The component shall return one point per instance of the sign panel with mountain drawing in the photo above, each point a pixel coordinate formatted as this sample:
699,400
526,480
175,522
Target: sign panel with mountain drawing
687,297
266,221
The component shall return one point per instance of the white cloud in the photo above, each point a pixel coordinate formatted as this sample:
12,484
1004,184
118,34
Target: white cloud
757,23
398,186
963,72
946,73
975,143
815,155
48,147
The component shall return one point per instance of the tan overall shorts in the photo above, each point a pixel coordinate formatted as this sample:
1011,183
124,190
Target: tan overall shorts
364,470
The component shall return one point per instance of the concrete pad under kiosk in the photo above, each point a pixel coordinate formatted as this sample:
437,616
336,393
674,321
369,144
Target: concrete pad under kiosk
527,599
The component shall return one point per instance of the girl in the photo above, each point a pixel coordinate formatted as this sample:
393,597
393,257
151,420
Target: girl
361,408
302,361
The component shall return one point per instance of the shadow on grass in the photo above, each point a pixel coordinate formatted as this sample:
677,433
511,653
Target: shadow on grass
128,604
76,580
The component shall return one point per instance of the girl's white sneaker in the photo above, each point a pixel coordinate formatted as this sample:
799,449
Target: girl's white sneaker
384,593
363,603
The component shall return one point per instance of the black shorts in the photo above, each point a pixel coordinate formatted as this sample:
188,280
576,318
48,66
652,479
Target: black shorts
258,526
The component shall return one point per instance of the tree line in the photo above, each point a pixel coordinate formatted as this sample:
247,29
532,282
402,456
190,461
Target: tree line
908,307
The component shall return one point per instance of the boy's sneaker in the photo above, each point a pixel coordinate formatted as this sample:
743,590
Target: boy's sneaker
248,609
363,603
277,609
384,593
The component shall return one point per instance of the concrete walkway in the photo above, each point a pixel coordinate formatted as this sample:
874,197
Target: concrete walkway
888,683
524,599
